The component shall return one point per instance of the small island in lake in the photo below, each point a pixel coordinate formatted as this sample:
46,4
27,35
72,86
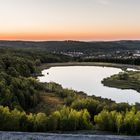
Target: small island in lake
124,80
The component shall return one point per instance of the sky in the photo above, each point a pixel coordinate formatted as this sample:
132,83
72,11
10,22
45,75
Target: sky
88,20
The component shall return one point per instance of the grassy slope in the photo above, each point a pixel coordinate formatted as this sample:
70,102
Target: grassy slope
50,102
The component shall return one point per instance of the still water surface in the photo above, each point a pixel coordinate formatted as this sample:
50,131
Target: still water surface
88,79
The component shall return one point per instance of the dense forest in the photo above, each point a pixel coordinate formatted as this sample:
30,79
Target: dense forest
27,105
131,61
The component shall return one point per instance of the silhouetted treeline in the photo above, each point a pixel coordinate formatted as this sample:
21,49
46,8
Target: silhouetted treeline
71,46
131,61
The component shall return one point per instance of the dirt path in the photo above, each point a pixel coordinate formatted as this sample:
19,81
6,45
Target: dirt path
50,136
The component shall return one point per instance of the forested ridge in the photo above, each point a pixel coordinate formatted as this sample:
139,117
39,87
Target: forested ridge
100,51
69,45
22,98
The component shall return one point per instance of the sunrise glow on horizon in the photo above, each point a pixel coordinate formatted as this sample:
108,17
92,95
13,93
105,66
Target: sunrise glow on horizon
69,20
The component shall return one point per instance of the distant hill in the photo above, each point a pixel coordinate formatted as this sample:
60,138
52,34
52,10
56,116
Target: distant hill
71,46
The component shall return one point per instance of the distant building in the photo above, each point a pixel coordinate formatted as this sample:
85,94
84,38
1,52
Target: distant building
73,54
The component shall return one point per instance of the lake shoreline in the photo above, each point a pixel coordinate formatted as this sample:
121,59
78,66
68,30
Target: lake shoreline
93,75
114,65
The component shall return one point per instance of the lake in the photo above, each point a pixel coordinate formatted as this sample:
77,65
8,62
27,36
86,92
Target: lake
88,79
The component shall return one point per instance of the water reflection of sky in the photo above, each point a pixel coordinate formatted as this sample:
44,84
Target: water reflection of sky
88,79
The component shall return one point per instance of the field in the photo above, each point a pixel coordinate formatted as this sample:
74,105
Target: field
50,102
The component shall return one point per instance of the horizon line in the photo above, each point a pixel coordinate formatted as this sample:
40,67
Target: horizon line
68,40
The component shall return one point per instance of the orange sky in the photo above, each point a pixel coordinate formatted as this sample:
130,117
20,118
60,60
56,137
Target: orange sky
73,35
42,36
69,19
